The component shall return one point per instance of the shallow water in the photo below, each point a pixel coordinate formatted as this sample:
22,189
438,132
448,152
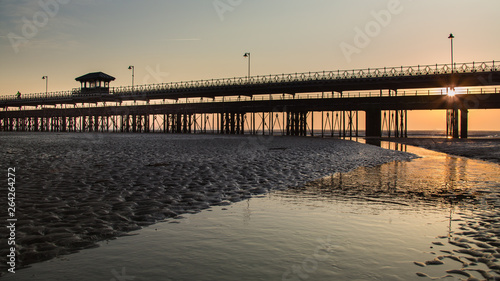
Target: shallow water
367,224
270,238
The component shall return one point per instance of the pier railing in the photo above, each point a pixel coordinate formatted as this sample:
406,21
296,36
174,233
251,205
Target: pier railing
402,71
308,96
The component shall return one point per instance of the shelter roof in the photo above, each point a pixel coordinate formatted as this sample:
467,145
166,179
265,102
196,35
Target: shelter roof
95,76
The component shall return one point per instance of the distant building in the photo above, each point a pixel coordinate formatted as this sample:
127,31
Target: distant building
95,83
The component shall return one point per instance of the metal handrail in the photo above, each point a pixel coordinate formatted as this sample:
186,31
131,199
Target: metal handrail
364,94
274,78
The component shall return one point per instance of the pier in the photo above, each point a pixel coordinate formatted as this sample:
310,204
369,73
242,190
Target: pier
285,104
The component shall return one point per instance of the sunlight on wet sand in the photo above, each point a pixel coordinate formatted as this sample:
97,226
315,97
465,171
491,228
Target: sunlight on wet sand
435,216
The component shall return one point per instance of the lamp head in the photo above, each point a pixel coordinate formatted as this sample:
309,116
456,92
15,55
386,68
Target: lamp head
130,67
451,36
246,55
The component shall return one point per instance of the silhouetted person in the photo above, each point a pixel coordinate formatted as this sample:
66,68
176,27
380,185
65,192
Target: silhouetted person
18,94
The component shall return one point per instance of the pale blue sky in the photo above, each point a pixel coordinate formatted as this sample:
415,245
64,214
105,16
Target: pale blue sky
190,39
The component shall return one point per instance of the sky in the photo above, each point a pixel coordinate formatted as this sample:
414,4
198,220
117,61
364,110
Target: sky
179,40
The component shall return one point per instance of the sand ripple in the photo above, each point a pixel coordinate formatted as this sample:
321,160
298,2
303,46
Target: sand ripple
74,190
476,244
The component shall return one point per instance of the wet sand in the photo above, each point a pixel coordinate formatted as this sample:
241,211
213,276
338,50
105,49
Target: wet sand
470,250
435,216
473,246
483,149
74,190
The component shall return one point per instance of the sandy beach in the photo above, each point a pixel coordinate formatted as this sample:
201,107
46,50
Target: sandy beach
75,190
435,216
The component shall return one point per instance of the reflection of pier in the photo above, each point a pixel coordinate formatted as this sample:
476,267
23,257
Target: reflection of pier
287,104
448,179
387,144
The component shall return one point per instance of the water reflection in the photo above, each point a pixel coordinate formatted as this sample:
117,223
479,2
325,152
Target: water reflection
443,172
247,213
446,179
384,144
468,188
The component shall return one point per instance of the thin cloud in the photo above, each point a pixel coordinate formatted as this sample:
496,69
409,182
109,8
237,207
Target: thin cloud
13,16
184,39
60,44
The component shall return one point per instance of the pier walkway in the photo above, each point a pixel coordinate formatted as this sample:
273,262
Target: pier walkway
284,103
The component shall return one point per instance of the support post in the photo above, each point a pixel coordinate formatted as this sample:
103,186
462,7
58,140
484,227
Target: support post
373,123
464,123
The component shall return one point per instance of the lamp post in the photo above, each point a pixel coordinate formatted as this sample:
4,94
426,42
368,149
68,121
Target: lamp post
452,114
247,55
133,70
46,78
451,37
452,86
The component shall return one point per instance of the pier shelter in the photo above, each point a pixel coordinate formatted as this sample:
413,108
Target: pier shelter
95,83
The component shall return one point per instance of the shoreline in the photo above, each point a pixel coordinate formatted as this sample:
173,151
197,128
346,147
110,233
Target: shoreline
475,148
